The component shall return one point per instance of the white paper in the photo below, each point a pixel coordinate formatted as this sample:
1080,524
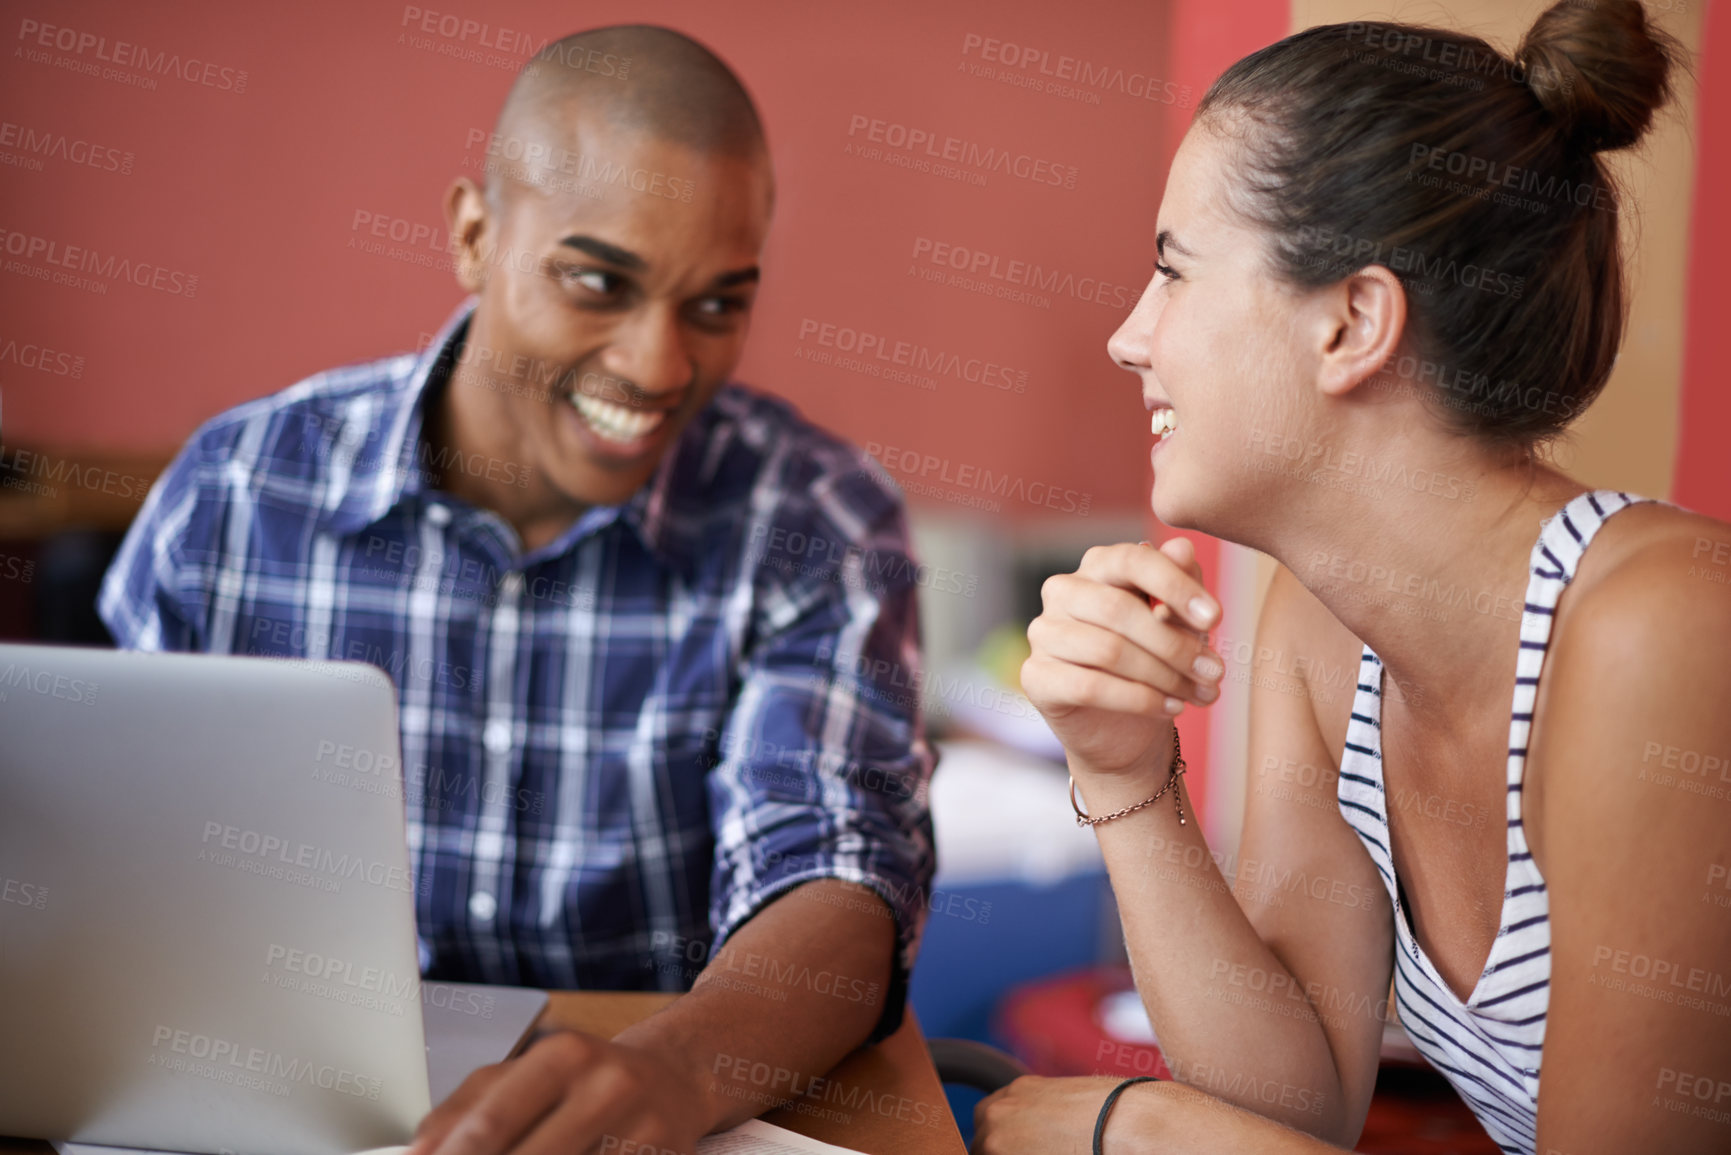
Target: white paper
754,1137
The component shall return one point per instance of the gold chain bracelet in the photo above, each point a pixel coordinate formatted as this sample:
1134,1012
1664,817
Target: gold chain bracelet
1178,769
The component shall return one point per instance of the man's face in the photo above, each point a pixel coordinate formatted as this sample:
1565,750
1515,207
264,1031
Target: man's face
616,285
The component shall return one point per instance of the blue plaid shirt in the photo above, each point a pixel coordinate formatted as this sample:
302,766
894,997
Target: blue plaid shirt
617,747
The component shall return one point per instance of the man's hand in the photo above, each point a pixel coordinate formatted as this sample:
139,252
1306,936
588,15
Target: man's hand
571,1093
650,1091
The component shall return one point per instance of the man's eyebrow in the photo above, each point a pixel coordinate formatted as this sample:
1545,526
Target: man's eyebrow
738,277
626,259
1165,239
602,251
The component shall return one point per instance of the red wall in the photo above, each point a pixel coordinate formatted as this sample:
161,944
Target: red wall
253,184
1703,480
249,171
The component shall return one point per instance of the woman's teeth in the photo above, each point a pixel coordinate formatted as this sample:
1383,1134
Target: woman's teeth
616,422
1165,421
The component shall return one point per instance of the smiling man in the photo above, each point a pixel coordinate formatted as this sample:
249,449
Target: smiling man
651,631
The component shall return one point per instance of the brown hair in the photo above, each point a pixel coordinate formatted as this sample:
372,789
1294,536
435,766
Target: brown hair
1472,176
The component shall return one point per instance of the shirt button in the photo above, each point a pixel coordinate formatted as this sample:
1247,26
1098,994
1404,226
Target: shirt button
483,905
439,515
496,737
512,584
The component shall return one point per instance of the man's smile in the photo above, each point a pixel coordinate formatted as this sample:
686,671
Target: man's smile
621,424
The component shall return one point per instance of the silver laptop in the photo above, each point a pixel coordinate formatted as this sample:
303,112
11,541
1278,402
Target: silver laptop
207,933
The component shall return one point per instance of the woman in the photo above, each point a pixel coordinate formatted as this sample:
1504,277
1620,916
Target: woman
1380,286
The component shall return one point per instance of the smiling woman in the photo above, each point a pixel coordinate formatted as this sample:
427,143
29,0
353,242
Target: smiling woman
1333,218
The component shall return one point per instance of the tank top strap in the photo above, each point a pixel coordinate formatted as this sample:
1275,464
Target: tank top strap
1556,555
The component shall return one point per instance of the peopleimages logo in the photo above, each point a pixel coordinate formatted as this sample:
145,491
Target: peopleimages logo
41,358
957,150
18,676
123,54
776,1085
38,473
223,1059
269,853
22,893
987,267
337,980
79,259
478,42
797,553
913,356
917,467
59,146
543,165
1070,76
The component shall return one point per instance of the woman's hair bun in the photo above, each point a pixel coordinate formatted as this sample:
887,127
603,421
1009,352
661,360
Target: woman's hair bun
1600,68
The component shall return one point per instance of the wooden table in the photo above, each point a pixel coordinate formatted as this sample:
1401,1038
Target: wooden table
882,1100
45,489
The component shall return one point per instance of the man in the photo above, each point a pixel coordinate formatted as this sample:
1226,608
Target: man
645,627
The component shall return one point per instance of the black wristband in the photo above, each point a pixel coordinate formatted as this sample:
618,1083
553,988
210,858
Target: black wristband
1106,1107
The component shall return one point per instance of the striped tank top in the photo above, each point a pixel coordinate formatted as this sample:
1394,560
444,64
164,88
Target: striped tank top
1489,1046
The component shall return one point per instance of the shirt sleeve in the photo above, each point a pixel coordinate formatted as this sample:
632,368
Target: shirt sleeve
823,766
150,597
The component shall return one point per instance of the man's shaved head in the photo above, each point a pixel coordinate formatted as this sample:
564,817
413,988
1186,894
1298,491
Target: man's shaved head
633,77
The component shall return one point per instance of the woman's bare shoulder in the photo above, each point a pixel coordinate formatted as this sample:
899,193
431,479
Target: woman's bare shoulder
1649,614
1650,562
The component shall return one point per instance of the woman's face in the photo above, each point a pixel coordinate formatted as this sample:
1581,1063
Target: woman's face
1216,337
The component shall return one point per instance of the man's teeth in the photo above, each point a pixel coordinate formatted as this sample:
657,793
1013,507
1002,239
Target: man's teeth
616,422
1165,421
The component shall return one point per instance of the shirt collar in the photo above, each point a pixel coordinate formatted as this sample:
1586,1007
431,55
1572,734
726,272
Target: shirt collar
377,483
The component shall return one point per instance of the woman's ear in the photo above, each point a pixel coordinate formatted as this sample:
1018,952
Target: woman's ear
1364,324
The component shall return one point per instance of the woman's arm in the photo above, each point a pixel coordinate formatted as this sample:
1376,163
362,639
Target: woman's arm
1053,1116
1275,1005
1632,830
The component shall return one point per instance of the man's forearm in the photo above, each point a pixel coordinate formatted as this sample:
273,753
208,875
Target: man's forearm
786,998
